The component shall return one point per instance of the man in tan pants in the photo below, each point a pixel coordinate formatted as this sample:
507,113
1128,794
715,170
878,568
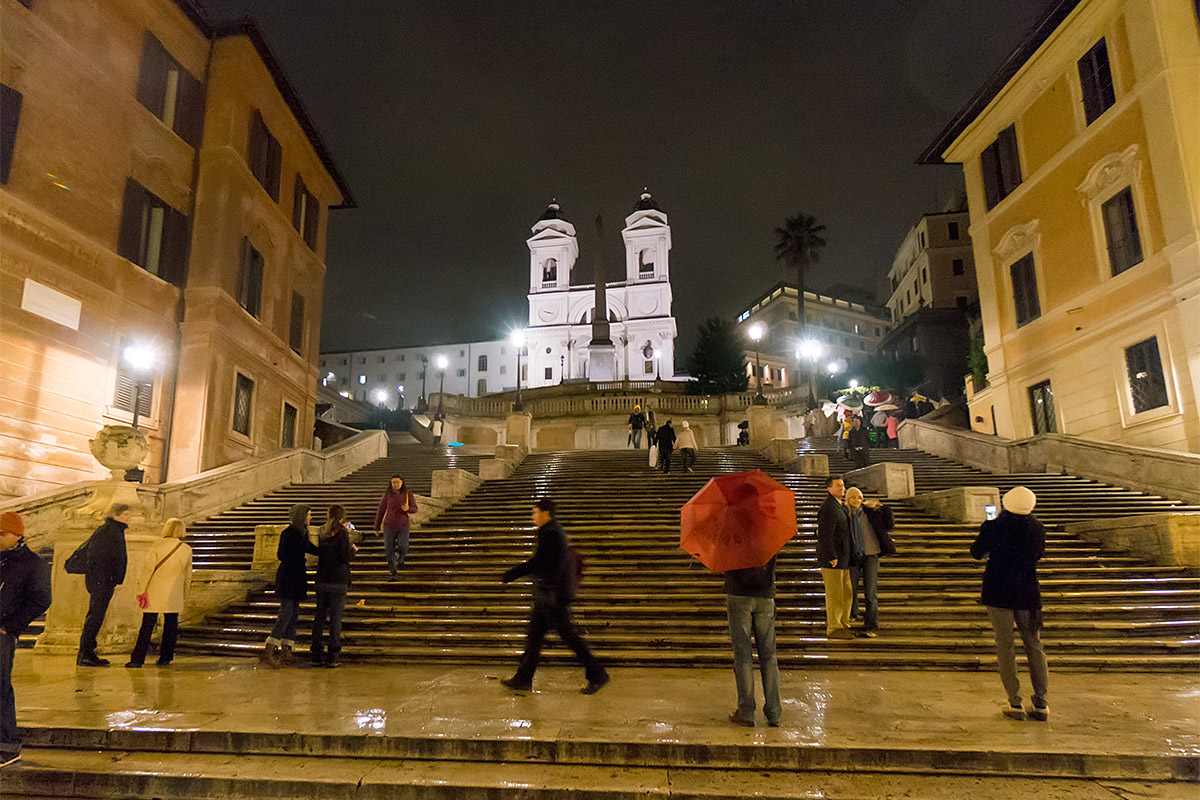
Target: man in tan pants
833,554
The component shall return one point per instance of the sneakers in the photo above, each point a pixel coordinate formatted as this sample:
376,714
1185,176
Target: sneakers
518,684
1013,711
841,633
1039,713
596,685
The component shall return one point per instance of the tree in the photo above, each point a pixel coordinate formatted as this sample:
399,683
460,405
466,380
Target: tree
718,363
901,375
797,243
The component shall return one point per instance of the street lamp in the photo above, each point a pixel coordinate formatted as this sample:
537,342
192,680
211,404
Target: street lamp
756,333
810,350
379,396
141,360
441,362
422,403
657,362
518,340
400,391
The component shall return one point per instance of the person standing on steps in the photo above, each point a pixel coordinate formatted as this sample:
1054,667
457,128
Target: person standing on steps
107,560
686,442
392,518
666,444
833,555
436,428
334,552
651,428
859,443
750,603
24,596
168,576
291,584
892,427
870,524
553,569
1013,543
637,421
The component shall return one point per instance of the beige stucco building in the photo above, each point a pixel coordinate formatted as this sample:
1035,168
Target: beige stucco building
1082,166
161,186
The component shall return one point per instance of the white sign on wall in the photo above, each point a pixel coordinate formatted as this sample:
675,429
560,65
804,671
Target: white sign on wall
51,304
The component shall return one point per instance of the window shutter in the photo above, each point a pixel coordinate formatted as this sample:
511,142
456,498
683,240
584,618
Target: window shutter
189,115
312,217
274,157
296,333
1010,163
129,240
298,204
990,165
173,262
10,114
151,91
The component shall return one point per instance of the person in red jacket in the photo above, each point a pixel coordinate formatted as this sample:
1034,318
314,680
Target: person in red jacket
392,519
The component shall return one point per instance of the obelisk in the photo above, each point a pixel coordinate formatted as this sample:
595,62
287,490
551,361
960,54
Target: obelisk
601,352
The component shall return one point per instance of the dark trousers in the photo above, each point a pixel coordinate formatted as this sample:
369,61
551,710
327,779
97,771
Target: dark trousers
664,459
866,572
395,543
10,740
166,651
331,604
97,608
689,458
547,615
860,456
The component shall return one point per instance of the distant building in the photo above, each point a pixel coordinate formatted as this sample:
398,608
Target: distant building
160,185
1082,164
847,330
559,328
933,290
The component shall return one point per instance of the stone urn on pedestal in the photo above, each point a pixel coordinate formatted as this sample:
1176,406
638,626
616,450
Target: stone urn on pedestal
118,448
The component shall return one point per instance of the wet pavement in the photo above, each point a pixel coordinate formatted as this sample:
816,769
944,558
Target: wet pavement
1151,716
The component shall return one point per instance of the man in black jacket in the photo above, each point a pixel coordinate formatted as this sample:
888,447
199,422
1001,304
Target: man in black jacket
553,571
24,596
859,442
833,555
106,563
665,439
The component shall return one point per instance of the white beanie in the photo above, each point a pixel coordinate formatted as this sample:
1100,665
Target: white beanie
1019,500
685,423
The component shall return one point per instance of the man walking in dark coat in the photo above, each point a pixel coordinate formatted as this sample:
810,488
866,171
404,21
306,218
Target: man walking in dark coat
106,563
666,445
750,603
24,596
859,442
553,571
833,554
1013,544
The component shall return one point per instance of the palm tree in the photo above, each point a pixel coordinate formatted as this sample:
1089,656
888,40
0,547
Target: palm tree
798,242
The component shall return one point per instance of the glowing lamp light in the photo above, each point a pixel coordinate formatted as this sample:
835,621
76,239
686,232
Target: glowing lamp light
379,396
140,357
440,362
853,383
518,337
756,331
810,349
833,367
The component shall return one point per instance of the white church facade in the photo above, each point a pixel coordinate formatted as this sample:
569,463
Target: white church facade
559,344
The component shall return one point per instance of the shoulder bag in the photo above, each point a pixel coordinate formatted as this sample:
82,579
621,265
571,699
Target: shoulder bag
143,599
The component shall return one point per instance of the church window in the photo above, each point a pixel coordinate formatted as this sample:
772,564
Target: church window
645,261
549,373
648,367
550,270
482,365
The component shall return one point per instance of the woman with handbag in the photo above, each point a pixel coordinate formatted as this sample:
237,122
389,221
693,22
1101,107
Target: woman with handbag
164,591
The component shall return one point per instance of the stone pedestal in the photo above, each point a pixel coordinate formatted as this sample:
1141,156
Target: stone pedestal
64,620
964,504
451,484
1169,540
514,454
602,362
810,464
780,451
519,429
266,547
762,425
886,478
492,469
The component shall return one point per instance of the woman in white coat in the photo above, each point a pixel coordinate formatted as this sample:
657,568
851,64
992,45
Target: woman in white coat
164,583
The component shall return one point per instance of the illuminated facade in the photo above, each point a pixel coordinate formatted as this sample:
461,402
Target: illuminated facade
161,186
1082,165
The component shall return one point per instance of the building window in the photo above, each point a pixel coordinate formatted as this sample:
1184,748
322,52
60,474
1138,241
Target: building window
462,373
362,379
306,213
10,114
296,329
960,302
877,331
126,388
952,230
1146,383
503,369
550,271
481,386
1041,408
287,438
402,376
1095,79
170,92
153,235
1001,167
921,238
1025,292
243,399
481,365
924,275
1121,232
549,373
250,277
958,266
645,262
463,353
265,156
382,359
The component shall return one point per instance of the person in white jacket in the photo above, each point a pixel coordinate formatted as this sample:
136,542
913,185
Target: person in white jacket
686,442
164,583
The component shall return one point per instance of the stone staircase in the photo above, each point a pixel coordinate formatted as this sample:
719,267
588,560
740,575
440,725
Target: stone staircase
645,602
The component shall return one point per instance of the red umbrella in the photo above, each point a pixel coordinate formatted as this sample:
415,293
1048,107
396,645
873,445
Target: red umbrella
738,521
877,398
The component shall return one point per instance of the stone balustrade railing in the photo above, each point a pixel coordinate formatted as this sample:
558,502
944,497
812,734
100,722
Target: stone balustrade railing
605,399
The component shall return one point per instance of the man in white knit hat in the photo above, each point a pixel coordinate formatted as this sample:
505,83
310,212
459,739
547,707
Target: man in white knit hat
1013,543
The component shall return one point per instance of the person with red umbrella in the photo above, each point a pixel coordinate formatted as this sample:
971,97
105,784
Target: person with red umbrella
750,604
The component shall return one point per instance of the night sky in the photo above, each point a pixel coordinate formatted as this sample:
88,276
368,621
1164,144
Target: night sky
455,123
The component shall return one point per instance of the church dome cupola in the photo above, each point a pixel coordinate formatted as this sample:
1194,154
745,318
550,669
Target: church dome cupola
553,211
646,202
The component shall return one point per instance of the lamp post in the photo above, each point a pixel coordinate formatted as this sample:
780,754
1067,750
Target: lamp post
400,392
657,362
422,403
518,340
141,360
379,398
756,334
441,365
810,350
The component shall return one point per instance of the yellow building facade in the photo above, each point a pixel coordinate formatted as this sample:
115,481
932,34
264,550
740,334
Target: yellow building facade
161,188
1082,166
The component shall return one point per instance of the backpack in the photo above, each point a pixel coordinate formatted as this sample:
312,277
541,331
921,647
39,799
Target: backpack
77,562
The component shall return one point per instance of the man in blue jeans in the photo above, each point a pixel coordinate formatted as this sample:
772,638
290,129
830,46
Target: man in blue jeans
750,601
